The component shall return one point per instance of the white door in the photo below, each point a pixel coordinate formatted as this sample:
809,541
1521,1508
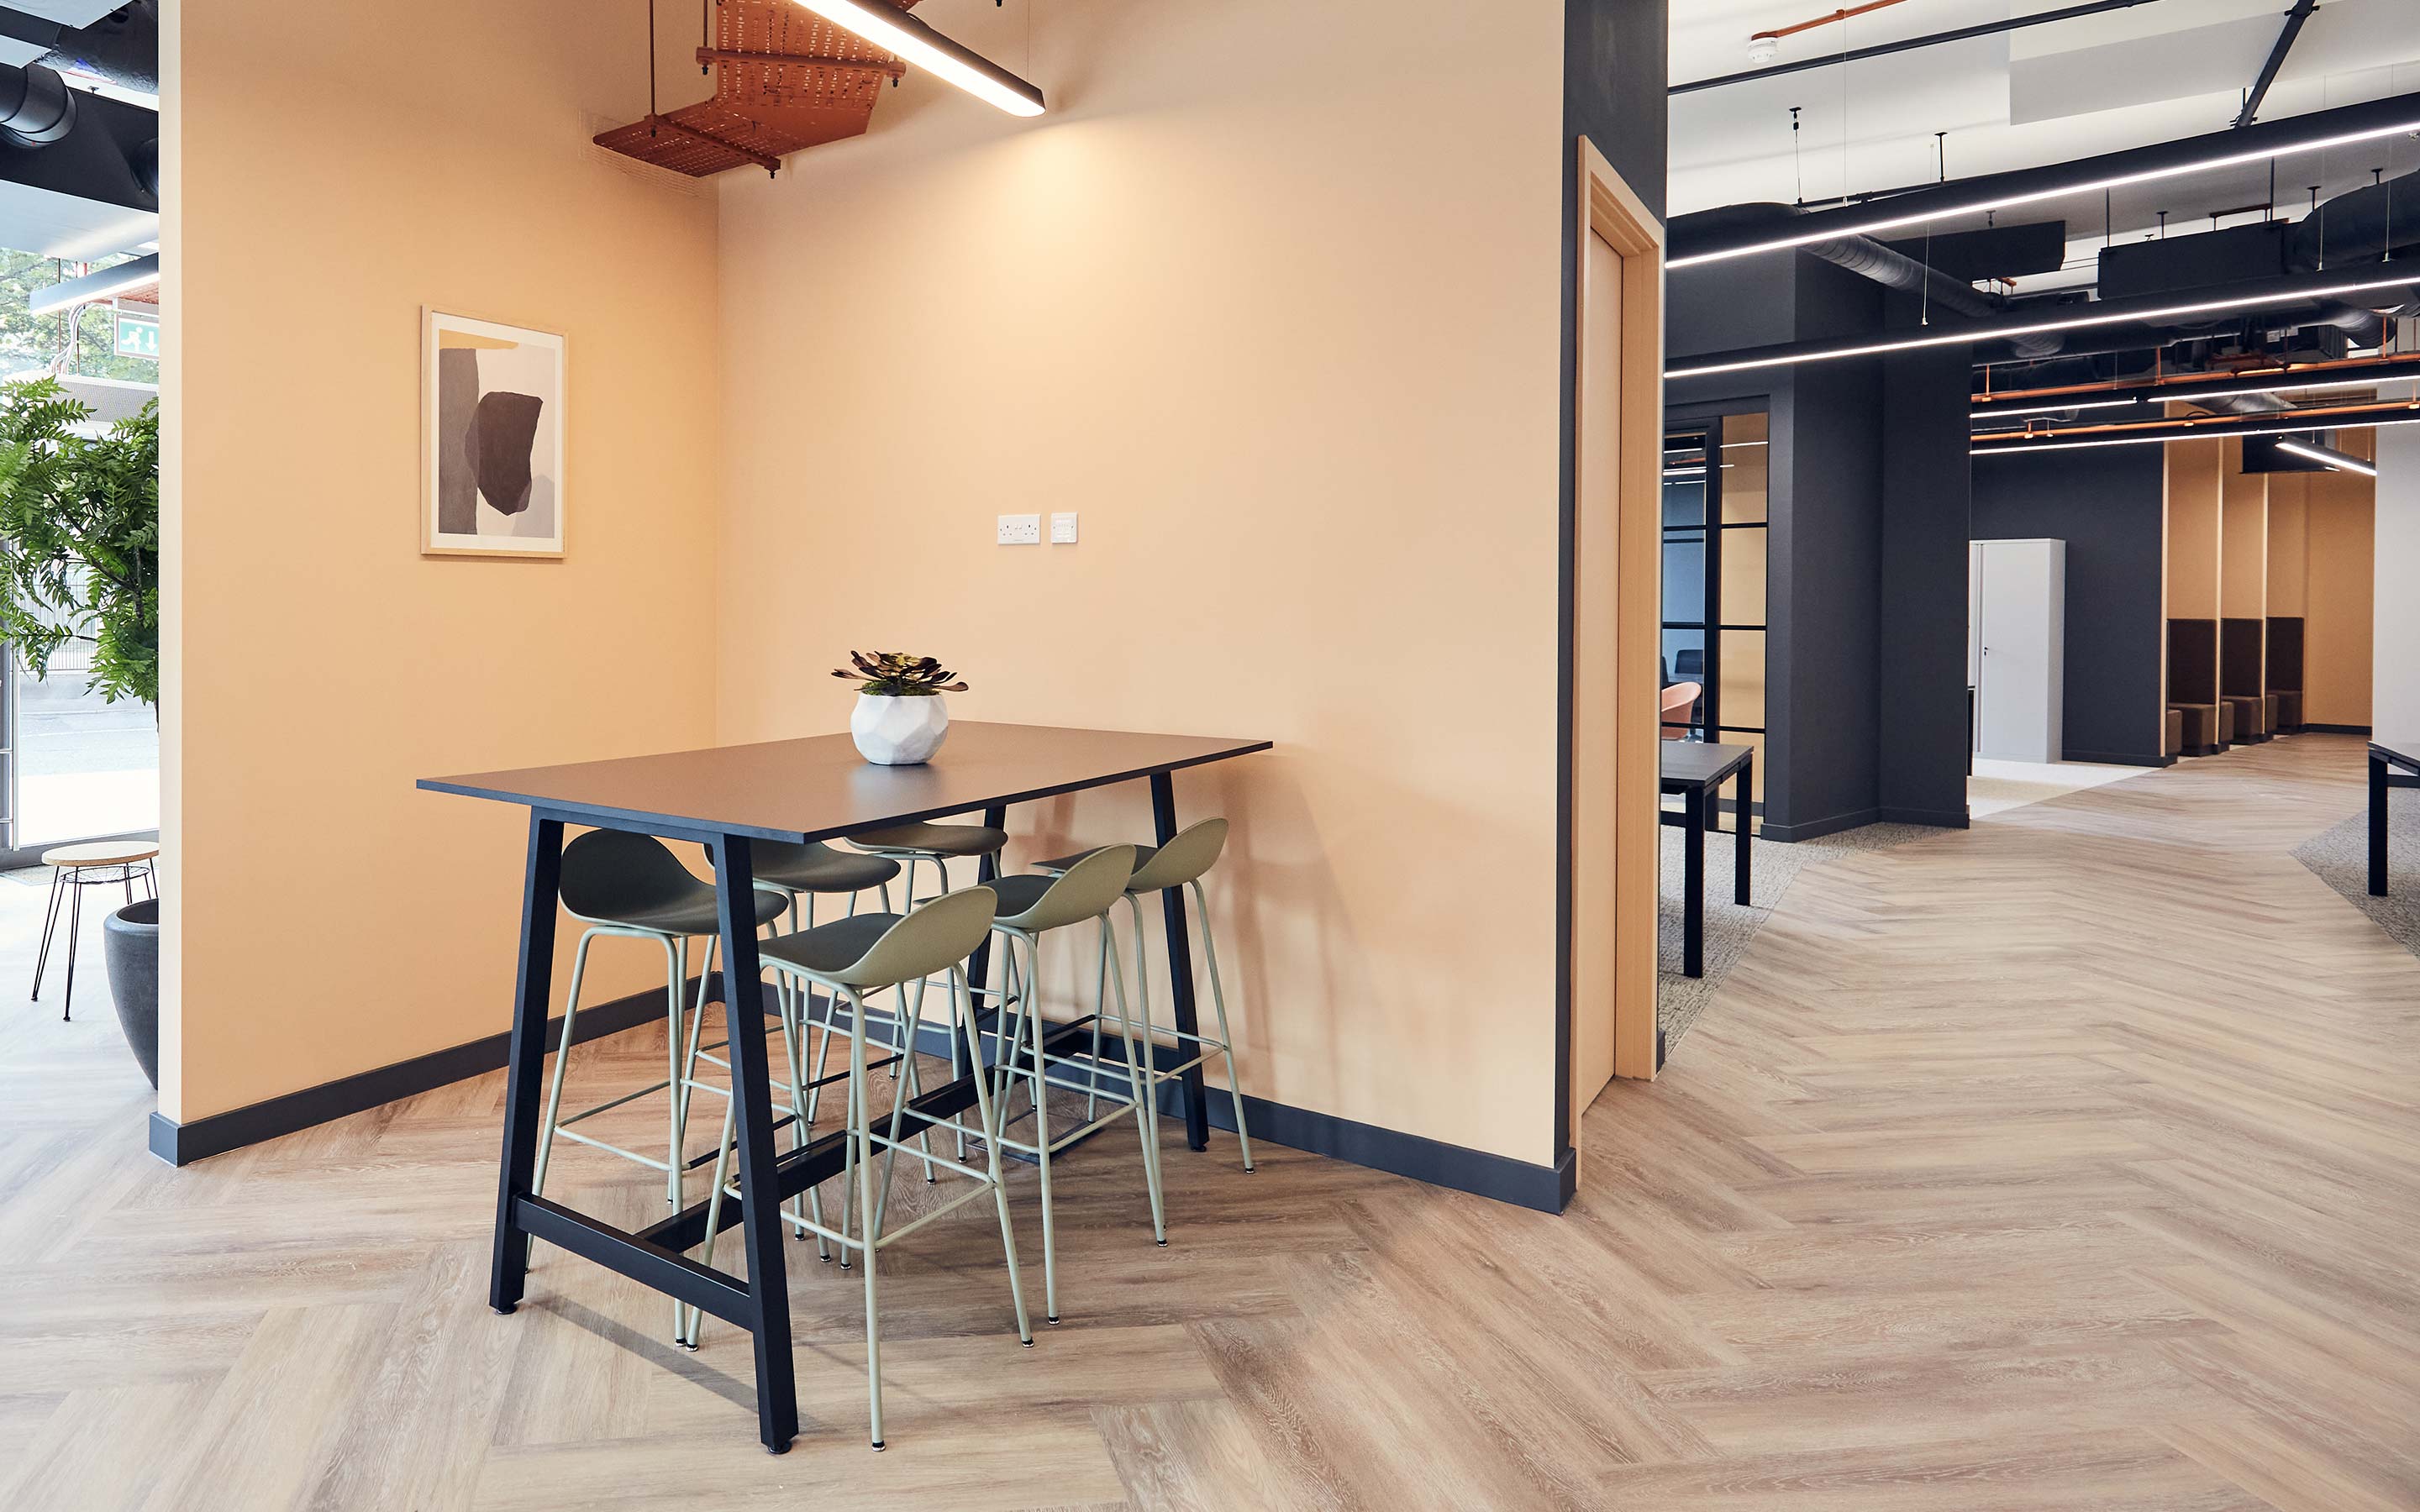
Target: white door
2017,676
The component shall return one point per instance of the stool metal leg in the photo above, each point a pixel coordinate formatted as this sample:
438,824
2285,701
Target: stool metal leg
49,921
1219,1003
75,926
561,1061
860,1125
1144,1088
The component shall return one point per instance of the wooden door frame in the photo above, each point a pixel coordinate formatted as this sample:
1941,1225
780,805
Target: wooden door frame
1610,209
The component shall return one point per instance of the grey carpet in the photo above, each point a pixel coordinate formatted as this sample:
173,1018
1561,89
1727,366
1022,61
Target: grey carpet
1772,868
2340,858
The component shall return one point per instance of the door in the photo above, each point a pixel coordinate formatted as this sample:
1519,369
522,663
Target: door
1595,656
2013,616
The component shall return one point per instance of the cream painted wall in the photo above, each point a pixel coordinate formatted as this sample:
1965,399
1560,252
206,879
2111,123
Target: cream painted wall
1270,299
323,917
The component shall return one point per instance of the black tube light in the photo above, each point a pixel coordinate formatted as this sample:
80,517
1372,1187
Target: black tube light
895,30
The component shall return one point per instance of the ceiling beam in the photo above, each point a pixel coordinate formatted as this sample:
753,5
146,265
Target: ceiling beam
2294,18
1989,28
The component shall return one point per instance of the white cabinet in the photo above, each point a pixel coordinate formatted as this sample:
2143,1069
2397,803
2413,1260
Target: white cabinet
2016,651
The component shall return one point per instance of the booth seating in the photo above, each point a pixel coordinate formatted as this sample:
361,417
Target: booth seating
2193,688
2242,676
2285,672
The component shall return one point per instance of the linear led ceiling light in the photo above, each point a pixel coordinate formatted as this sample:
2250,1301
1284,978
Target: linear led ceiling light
1973,332
139,272
899,32
2226,149
2336,460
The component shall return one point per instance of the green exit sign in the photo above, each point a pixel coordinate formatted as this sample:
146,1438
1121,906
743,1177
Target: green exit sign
137,336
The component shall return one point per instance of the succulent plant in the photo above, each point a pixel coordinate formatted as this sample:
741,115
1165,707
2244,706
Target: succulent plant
895,674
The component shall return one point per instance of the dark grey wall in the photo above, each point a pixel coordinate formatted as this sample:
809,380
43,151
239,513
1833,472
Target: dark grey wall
1923,652
2105,503
1615,67
1866,549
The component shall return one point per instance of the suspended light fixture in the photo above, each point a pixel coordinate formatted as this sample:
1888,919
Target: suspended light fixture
899,32
1968,334
2336,460
126,277
2228,149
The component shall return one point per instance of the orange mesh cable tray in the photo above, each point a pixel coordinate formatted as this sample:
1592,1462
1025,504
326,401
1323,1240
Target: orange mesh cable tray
785,80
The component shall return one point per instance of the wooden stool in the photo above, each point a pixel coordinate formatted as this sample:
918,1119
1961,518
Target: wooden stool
99,863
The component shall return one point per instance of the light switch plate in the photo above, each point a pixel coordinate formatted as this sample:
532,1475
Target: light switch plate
1063,528
1021,529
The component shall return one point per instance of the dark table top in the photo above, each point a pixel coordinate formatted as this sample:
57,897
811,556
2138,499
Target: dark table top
1700,764
2401,752
820,787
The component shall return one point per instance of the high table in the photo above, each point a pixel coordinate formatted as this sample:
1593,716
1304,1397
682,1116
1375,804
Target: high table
1694,769
2384,755
726,799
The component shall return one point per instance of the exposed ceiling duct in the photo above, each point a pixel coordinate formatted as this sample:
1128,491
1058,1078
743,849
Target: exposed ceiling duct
36,107
79,169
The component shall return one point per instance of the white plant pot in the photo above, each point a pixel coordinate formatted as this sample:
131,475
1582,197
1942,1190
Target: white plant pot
892,732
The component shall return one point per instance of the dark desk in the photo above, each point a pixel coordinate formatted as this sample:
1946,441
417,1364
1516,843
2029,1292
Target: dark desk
725,799
2383,756
1694,769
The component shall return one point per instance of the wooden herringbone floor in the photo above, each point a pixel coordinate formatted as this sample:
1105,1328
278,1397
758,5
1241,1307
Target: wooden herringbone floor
2067,1162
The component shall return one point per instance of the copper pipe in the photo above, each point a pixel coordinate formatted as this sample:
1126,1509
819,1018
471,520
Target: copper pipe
2183,387
2018,437
1821,21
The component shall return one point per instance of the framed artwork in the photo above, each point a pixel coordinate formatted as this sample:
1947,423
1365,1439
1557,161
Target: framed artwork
491,438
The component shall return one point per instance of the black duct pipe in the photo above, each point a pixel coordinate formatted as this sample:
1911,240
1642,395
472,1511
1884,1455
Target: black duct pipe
1964,196
144,162
122,47
36,107
1870,259
2362,227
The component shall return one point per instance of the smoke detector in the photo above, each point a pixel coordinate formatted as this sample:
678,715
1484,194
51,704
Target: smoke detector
1762,50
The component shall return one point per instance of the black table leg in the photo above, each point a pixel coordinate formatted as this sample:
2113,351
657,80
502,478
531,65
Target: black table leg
1693,882
1743,791
1180,966
743,1020
979,964
525,1067
2378,786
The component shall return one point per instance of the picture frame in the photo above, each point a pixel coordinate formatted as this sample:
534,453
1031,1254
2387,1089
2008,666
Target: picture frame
491,438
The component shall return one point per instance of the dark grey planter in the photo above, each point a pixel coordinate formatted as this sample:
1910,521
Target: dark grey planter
131,939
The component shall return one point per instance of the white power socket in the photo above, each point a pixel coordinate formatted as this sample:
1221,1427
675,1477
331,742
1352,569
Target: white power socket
1063,528
1021,529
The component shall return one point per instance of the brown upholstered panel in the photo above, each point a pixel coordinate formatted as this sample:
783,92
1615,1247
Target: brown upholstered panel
2192,661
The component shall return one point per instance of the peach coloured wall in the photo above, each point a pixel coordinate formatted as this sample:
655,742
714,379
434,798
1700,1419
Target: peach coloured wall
2243,547
2337,630
2288,536
1270,301
332,172
2193,489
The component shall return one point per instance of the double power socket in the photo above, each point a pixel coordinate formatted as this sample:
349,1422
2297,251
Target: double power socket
1025,530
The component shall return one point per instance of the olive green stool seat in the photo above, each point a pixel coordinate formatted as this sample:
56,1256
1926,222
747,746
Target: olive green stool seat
849,958
1180,863
1029,907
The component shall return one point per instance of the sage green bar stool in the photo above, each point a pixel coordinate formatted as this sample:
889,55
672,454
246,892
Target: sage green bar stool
924,842
799,874
848,959
631,886
1031,906
1180,863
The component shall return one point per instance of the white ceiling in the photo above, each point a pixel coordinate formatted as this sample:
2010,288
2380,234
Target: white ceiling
2047,94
